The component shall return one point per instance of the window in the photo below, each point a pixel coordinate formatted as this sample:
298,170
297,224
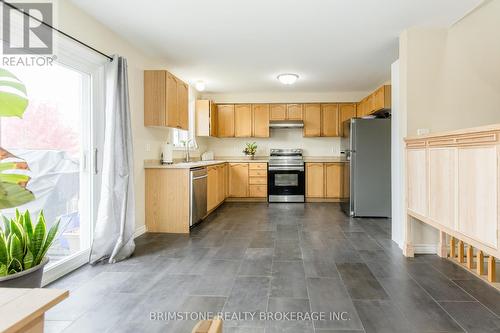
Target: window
178,136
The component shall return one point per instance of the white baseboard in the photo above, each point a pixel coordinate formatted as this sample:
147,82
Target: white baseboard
425,248
140,231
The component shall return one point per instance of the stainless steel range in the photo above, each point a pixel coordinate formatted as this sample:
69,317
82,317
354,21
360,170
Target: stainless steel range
286,177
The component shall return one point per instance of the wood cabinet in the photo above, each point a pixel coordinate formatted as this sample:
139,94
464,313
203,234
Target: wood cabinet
325,180
257,180
334,180
315,180
243,120
330,121
206,118
212,187
323,120
225,120
379,100
347,111
312,120
294,112
277,112
165,100
453,184
222,180
238,180
260,120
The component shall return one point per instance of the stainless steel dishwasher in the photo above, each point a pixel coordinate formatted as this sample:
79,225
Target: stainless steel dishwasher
198,195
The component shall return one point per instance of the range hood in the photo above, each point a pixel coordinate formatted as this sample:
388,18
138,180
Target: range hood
286,124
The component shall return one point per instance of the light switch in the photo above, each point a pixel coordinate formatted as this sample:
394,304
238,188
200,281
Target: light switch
148,147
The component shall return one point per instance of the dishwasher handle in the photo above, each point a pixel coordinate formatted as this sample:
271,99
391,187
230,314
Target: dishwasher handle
200,177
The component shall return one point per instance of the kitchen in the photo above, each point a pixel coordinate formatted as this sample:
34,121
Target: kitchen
285,175
332,158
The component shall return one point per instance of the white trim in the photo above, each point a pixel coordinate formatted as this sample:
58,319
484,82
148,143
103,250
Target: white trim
140,231
425,248
66,266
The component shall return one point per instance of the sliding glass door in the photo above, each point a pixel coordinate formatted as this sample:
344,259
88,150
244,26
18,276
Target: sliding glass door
60,137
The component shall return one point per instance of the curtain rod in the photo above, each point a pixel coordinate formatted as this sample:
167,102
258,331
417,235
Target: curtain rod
59,31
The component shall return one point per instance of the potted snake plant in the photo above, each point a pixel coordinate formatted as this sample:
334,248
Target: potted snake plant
23,249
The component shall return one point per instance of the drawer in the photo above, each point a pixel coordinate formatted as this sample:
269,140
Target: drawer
257,191
257,173
257,166
257,181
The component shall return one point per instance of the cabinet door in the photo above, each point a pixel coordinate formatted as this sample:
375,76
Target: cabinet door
221,183
294,111
155,98
257,191
347,111
378,99
202,117
212,190
225,117
417,180
312,120
277,112
172,112
238,180
213,119
330,120
334,179
478,194
369,105
315,180
182,97
346,184
442,186
260,120
243,120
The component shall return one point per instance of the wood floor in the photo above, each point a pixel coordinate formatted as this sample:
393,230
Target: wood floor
292,258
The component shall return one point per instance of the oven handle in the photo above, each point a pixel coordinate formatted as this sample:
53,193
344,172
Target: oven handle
286,168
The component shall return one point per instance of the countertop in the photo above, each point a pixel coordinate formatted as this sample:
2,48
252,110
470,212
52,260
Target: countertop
155,164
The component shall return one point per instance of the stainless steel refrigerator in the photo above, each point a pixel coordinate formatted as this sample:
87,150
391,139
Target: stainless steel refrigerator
368,175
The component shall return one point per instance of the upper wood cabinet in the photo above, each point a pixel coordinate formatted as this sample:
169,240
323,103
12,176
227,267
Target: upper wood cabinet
206,118
347,111
260,120
315,180
165,100
379,100
330,123
312,120
294,112
225,120
277,112
238,180
243,120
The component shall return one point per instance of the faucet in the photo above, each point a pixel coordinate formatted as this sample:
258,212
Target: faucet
186,144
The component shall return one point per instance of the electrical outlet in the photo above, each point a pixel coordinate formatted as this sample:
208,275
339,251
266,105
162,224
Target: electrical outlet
148,147
422,131
336,150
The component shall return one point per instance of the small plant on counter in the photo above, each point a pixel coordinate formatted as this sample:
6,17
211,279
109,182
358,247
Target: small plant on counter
22,244
250,149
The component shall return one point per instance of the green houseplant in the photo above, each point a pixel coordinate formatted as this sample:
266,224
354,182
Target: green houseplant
23,246
250,149
13,103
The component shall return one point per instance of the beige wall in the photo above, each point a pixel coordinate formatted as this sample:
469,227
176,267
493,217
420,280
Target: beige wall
75,22
450,79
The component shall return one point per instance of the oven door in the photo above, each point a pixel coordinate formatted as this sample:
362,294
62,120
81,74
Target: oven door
286,184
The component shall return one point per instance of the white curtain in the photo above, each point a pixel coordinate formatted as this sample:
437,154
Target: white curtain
115,225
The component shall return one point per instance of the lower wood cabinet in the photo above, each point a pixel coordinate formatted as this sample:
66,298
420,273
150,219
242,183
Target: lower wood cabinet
247,180
325,180
216,185
238,180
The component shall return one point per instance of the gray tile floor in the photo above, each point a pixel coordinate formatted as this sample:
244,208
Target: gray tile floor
293,258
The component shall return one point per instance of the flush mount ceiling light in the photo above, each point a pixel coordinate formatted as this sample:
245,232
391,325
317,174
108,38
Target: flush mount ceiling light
288,78
200,85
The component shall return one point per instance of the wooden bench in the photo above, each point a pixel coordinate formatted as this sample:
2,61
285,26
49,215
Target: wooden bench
23,310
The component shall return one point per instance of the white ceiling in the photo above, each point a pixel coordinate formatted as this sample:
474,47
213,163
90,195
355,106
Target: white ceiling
240,46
